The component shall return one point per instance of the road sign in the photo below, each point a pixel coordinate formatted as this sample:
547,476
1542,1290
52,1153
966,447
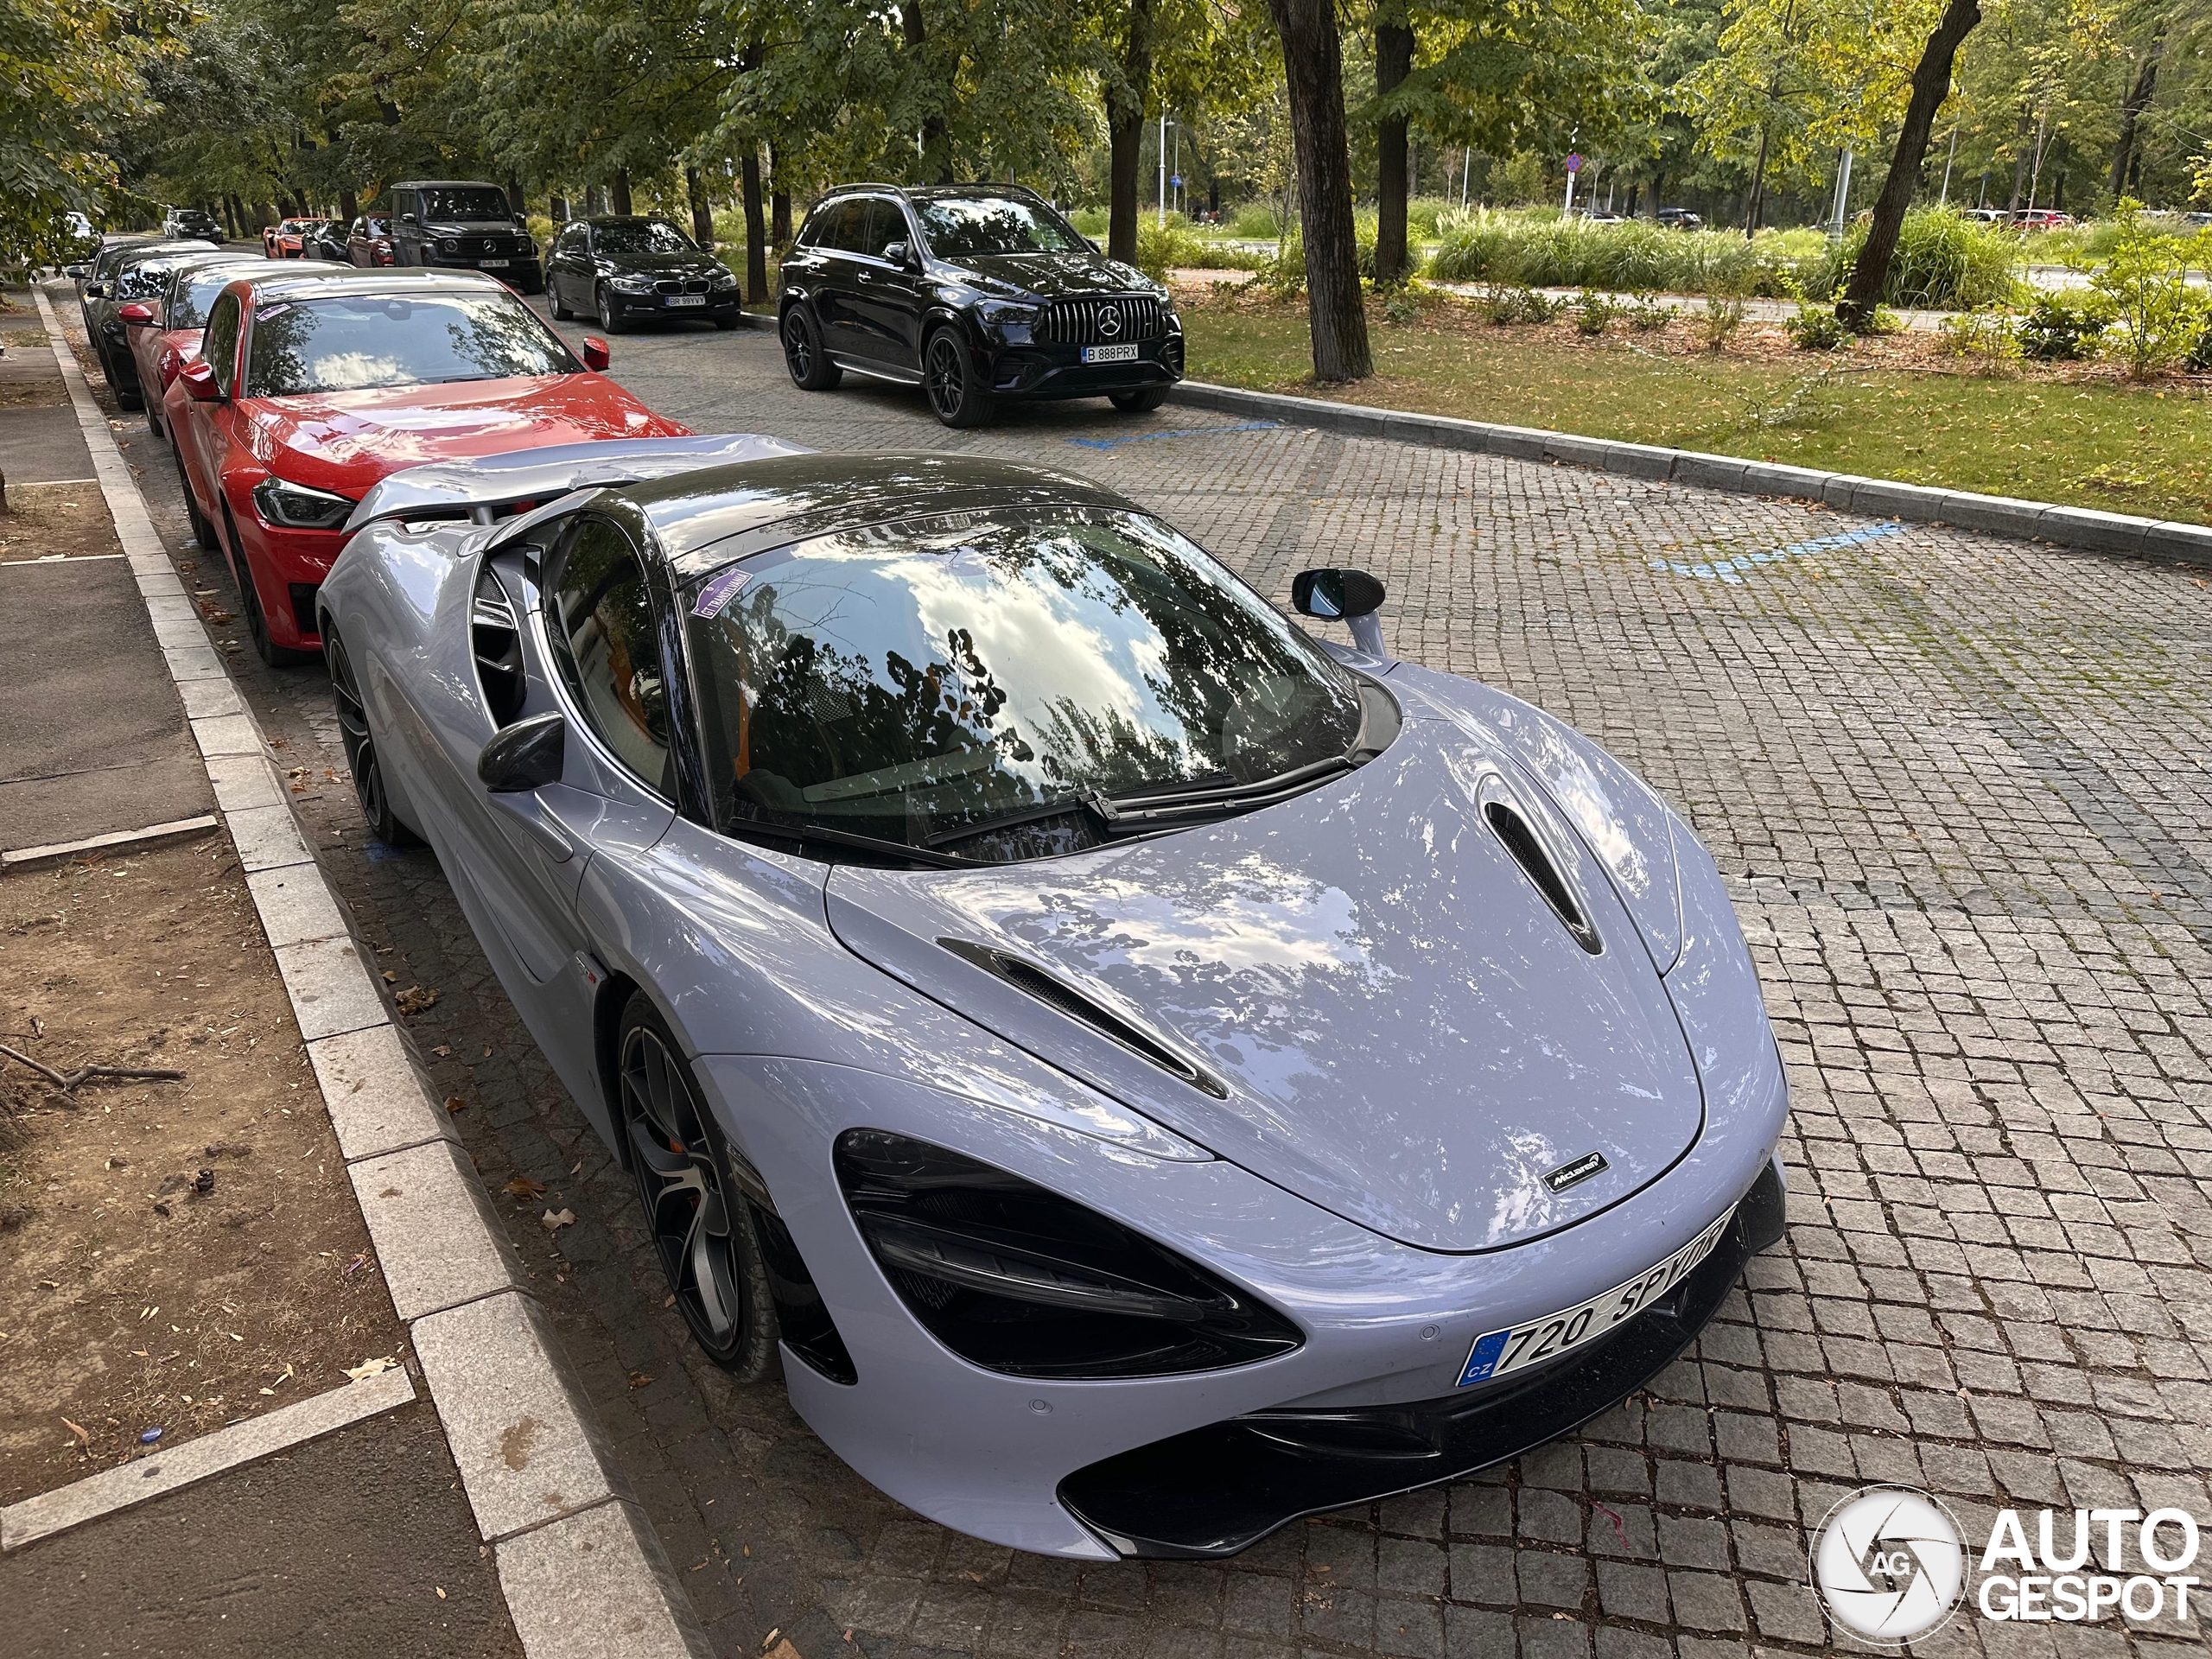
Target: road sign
1177,181
1573,163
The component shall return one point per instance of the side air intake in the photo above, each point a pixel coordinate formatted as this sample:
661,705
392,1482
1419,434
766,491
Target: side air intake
1528,853
1028,977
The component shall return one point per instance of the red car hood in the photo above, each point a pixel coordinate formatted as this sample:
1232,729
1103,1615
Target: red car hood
347,440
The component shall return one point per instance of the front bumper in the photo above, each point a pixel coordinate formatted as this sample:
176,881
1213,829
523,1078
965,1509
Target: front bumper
513,270
632,306
1219,1490
1017,370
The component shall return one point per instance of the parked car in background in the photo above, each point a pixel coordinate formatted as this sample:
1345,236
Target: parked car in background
464,225
84,241
1986,215
1142,1073
286,238
192,222
2041,218
974,292
1681,219
138,271
164,332
326,242
629,268
368,241
311,388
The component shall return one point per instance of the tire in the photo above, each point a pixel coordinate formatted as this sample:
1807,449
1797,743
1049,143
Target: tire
1142,401
701,1225
154,419
561,313
809,366
360,747
203,532
257,623
957,396
609,321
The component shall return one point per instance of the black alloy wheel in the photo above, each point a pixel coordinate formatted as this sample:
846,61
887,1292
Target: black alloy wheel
957,396
1142,401
561,313
610,319
203,533
701,1224
809,365
360,747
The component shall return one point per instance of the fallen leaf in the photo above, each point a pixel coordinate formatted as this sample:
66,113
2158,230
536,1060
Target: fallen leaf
441,1594
554,1220
455,1103
523,1187
369,1368
442,1051
84,1436
640,1379
416,999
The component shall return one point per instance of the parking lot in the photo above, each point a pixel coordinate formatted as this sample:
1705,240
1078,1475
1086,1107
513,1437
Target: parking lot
1960,786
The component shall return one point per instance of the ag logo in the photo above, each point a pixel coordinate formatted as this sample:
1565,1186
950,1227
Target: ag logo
1889,1564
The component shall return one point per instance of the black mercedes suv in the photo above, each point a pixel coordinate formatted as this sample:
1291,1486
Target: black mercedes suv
465,224
974,292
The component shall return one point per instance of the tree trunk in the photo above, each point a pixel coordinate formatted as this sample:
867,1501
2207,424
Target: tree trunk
1394,61
756,231
349,205
702,220
1931,85
2130,110
1313,65
516,205
2019,164
557,209
1125,102
622,191
1758,199
937,147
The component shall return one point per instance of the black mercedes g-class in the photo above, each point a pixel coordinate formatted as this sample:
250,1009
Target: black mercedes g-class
974,292
464,225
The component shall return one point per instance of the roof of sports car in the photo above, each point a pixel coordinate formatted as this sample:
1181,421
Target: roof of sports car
707,516
331,278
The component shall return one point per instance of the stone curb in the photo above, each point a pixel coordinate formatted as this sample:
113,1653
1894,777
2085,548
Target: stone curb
2082,527
447,1262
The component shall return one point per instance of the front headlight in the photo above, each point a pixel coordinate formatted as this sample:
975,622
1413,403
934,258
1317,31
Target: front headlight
1009,318
294,507
631,285
725,277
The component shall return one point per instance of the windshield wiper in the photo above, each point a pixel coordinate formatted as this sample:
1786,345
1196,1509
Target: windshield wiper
1189,803
826,836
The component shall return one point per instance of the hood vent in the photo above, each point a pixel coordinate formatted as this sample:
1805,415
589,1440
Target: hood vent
1028,977
1528,852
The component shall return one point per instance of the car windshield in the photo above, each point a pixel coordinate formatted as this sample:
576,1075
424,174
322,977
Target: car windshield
466,201
143,281
973,683
961,227
195,291
357,341
653,236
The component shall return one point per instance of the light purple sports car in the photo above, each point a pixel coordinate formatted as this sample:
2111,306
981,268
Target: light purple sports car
1145,1073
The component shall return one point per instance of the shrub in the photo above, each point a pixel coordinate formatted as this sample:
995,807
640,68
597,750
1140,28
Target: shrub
1162,248
2144,283
1592,311
1647,315
1817,328
1255,222
1944,261
1093,222
1284,274
1505,304
1722,315
1989,337
2056,330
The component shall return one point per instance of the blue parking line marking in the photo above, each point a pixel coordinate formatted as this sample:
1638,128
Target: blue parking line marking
1733,570
1178,432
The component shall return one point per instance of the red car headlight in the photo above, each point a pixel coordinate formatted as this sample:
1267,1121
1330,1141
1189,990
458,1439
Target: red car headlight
294,507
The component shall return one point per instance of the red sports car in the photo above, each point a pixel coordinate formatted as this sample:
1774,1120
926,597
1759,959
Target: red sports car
286,238
310,389
164,332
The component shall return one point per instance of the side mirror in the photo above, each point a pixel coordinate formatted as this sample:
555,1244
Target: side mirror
409,219
898,253
596,356
135,316
76,273
1348,596
95,290
527,755
200,383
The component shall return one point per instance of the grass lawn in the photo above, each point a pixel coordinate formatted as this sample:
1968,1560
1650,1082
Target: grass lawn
1893,408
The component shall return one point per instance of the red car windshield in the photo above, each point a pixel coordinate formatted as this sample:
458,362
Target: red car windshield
360,342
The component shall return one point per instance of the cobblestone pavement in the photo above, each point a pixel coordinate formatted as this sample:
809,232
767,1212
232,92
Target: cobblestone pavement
1959,787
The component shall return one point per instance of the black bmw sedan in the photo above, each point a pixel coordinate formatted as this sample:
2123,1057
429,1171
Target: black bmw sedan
624,268
975,293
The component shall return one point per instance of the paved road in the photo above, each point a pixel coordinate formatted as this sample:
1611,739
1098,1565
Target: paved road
1959,787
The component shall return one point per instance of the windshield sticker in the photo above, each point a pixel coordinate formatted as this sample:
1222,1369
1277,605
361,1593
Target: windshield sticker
276,311
719,593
